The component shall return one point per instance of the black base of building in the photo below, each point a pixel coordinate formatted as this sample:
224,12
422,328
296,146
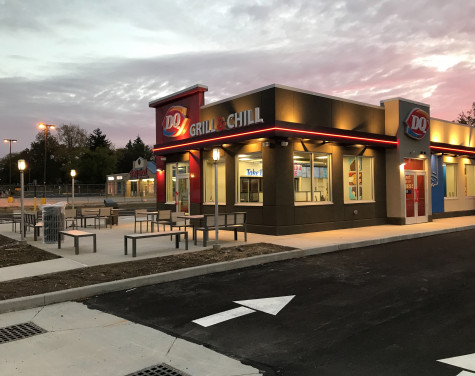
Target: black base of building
314,227
462,213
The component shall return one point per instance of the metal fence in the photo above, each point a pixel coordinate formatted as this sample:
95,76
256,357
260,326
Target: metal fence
83,193
57,190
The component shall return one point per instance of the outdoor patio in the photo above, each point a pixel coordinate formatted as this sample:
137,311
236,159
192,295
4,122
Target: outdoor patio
110,243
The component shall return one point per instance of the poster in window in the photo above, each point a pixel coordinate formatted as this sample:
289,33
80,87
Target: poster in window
352,164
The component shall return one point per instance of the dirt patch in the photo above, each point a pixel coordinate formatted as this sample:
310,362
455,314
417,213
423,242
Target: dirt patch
112,272
13,252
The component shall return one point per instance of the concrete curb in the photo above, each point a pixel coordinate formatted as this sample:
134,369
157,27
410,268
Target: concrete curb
102,288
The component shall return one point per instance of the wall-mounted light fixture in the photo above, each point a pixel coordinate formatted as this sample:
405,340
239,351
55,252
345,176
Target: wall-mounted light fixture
266,143
284,143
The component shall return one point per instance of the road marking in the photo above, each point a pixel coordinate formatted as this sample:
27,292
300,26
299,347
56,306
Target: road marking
271,306
223,316
465,373
466,362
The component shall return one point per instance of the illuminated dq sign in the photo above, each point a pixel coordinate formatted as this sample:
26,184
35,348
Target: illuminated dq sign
175,122
417,124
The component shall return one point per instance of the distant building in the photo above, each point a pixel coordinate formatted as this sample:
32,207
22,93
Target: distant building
138,182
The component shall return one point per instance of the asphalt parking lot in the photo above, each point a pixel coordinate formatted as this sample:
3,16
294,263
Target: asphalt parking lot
392,309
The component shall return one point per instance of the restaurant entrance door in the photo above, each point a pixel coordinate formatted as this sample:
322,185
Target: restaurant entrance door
416,208
182,195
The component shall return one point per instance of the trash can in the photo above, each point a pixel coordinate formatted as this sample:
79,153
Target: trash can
53,222
108,202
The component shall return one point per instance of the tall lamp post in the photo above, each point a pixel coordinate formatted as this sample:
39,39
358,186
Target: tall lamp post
45,128
21,167
216,156
10,140
73,174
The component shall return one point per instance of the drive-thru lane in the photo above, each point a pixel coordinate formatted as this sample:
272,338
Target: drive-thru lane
394,309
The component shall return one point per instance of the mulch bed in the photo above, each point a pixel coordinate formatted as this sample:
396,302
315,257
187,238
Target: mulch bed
112,272
13,252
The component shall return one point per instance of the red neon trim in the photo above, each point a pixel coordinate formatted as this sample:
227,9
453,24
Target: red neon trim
462,151
337,136
278,129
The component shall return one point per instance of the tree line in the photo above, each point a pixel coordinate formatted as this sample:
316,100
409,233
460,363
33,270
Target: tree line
92,155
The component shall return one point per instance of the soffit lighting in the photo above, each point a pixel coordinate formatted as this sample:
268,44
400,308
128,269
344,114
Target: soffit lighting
290,130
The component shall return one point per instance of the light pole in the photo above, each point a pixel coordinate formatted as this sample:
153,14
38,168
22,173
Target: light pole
10,140
21,167
216,156
73,174
45,128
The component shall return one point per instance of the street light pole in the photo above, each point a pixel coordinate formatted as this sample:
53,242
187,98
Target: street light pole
10,140
73,174
216,156
21,167
45,128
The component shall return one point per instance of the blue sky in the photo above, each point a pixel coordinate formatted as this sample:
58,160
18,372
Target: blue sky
98,63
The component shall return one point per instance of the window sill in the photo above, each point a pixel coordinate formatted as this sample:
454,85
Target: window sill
450,198
212,203
359,202
312,203
170,203
248,204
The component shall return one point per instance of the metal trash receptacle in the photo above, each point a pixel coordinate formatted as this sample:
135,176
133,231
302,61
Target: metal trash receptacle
53,222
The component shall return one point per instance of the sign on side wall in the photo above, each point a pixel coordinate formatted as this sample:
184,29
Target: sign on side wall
417,124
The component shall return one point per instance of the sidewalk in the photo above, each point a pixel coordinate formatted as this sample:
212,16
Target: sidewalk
79,341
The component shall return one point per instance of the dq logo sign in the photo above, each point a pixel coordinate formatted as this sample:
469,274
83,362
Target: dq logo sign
417,124
175,123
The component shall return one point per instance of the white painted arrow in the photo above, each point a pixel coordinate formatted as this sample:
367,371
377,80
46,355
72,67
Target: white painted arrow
466,362
271,306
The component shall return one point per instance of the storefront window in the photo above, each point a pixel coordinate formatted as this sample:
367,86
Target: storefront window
171,175
470,180
249,177
450,172
311,177
358,178
209,180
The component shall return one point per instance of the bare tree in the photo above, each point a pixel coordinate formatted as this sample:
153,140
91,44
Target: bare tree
72,136
468,117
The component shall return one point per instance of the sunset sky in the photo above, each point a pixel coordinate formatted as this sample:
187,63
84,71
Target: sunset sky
97,63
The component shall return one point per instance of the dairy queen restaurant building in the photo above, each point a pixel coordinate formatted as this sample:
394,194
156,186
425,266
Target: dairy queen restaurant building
298,161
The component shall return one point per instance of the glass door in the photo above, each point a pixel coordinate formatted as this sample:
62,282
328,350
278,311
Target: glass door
416,211
182,194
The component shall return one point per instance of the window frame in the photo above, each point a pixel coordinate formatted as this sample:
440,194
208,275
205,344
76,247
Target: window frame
454,165
472,166
222,162
312,178
238,181
346,185
174,166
